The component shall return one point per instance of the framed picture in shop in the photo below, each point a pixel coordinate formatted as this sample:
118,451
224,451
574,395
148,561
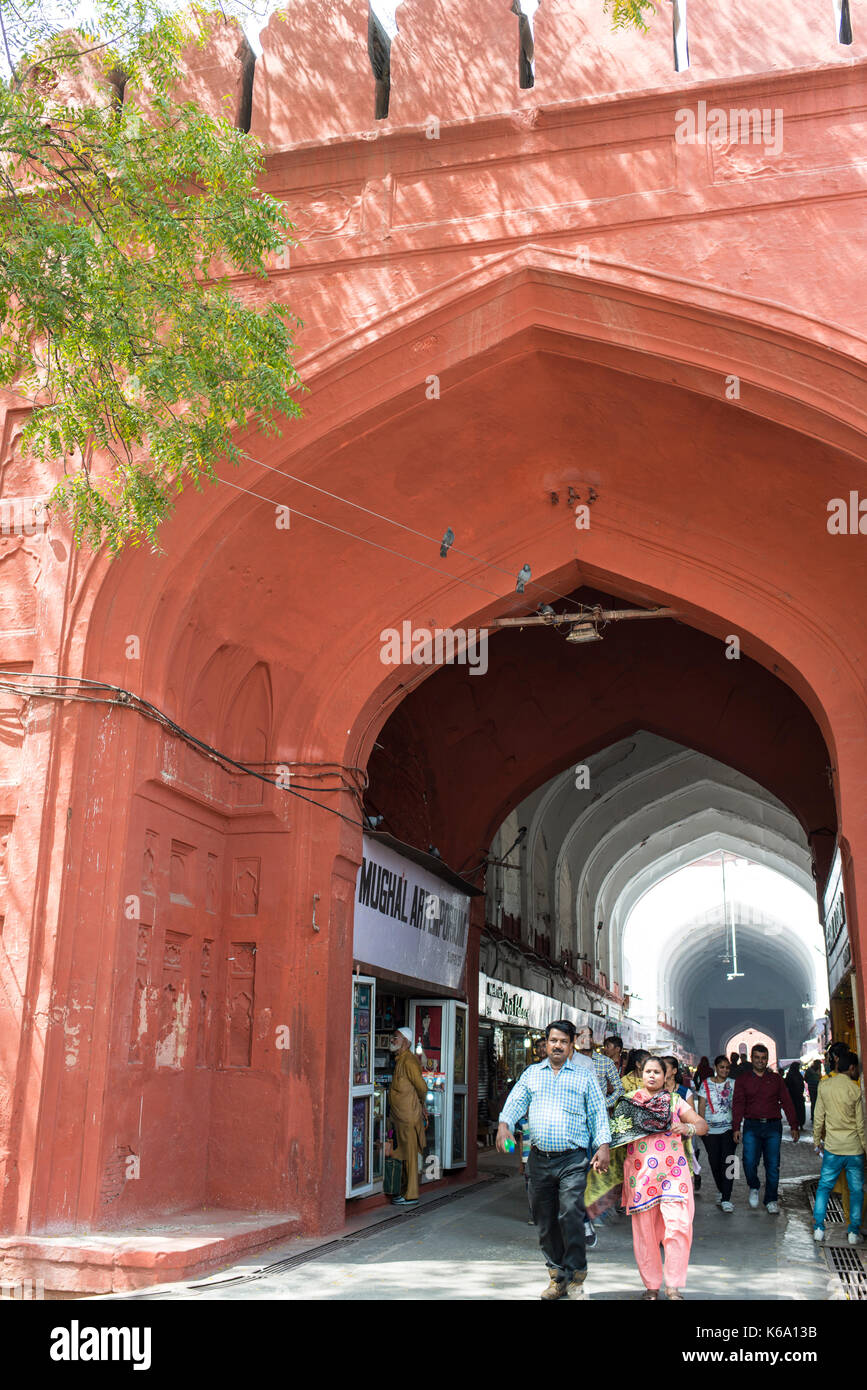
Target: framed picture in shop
429,1033
460,1077
361,1064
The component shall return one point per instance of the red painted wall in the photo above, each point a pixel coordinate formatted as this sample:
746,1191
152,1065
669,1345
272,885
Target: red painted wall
460,258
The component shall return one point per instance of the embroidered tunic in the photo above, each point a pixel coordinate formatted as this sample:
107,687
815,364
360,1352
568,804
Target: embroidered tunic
719,1095
656,1168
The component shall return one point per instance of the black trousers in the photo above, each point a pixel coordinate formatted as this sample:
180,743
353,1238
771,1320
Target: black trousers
719,1148
557,1203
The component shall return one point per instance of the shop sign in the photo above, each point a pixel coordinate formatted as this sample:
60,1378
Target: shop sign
506,1004
525,1008
408,920
633,1034
836,931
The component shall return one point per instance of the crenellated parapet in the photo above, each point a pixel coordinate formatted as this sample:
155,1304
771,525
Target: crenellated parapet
332,69
327,71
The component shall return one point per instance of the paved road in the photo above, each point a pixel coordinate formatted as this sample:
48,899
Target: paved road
479,1246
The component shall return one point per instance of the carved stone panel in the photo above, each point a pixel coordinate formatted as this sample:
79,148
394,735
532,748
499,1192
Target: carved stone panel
245,887
174,1003
149,863
204,1032
138,1025
6,824
241,994
181,873
212,883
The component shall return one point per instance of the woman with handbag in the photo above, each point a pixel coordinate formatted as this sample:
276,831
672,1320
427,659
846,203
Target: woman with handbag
657,1186
715,1105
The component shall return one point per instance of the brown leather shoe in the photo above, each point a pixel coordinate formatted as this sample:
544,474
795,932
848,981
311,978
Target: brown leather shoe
556,1288
576,1288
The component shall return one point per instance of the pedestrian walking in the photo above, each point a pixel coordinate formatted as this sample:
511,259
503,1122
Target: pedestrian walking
738,1063
838,1126
522,1134
715,1096
657,1188
832,1058
522,1139
759,1096
795,1087
406,1099
612,1046
569,1133
610,1085
812,1076
677,1081
701,1073
606,1072
632,1075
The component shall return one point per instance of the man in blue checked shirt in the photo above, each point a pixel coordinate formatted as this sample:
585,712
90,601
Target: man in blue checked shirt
568,1121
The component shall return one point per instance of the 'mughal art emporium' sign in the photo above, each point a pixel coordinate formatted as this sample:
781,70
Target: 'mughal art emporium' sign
409,921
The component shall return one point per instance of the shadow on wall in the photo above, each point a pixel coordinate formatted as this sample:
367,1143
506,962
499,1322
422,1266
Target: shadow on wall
329,69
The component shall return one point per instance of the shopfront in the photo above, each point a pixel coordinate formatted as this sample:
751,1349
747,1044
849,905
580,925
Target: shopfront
841,977
410,935
512,1023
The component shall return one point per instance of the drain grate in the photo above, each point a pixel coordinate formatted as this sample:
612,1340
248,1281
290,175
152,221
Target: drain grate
835,1206
849,1268
842,1260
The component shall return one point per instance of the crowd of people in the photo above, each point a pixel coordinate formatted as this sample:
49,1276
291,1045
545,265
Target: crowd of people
598,1130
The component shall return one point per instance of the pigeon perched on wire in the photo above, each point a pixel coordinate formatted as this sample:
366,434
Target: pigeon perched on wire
447,542
545,610
523,578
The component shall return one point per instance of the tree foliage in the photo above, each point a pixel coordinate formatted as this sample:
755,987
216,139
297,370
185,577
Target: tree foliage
122,222
630,14
132,235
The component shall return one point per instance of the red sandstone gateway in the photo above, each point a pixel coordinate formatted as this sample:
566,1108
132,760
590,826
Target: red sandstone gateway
511,296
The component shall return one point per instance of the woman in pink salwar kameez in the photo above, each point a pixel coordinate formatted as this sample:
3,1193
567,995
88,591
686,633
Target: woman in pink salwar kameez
657,1190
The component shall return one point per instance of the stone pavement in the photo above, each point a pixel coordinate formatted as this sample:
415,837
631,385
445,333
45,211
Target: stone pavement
476,1244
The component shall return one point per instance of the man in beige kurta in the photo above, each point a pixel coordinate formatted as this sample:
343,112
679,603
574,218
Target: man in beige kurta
408,1114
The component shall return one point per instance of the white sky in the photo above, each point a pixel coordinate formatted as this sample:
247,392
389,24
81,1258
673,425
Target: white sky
655,921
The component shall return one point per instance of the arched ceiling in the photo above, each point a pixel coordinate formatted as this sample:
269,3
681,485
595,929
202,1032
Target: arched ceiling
697,948
774,975
674,847
650,807
460,753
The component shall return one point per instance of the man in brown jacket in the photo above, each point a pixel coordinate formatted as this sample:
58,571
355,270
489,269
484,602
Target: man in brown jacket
406,1099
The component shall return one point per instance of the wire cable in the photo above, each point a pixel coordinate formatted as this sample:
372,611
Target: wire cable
353,536
489,564
128,700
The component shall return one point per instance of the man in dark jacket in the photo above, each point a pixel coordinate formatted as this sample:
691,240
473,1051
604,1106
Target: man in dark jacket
759,1095
813,1076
